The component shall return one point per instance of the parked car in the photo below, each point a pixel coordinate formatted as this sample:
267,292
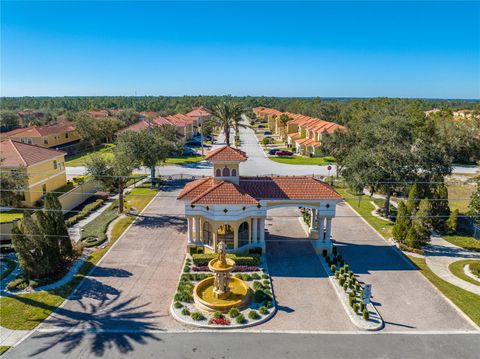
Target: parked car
193,143
284,153
267,133
273,151
187,151
261,126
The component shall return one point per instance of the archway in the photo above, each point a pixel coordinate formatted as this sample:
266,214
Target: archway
207,234
225,233
243,234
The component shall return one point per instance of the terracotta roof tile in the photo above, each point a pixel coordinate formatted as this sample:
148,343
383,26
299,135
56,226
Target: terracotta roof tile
224,192
40,131
16,154
226,153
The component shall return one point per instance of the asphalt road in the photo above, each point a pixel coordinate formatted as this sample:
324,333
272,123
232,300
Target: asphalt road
218,345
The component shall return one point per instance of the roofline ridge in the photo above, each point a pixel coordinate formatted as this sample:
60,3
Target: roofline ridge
18,152
191,189
201,195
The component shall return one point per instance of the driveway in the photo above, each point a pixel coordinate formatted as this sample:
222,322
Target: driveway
403,296
306,298
132,287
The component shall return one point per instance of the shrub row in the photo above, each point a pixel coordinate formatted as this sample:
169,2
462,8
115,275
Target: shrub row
203,259
235,269
86,210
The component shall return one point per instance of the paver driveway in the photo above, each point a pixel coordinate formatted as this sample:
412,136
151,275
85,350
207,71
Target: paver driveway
404,297
306,298
132,287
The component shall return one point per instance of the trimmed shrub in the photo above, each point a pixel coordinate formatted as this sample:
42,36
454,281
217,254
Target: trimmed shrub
85,211
263,310
342,270
197,316
265,276
337,274
183,297
233,312
247,277
268,304
362,307
365,314
355,307
334,250
239,275
357,287
341,281
256,276
93,241
203,259
240,318
253,314
333,268
324,253
345,287
186,269
185,311
19,283
218,314
351,301
266,283
345,267
178,305
257,285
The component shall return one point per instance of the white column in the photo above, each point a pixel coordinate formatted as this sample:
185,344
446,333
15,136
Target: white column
328,229
254,230
190,229
197,229
312,220
262,229
321,220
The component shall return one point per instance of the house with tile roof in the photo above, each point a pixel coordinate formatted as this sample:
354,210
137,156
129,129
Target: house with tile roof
302,133
48,136
231,208
44,167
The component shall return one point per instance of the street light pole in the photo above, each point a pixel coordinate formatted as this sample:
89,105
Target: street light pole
200,124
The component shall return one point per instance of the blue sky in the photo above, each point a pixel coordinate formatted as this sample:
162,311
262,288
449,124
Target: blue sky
346,49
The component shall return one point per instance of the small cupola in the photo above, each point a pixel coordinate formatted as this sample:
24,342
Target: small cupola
226,163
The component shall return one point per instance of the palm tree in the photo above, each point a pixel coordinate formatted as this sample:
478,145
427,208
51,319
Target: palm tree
228,115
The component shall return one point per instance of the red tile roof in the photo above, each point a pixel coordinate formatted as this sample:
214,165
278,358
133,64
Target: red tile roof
16,154
251,190
198,111
226,153
40,131
148,114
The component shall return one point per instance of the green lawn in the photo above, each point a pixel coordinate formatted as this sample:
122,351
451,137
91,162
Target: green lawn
3,349
364,209
9,216
459,192
467,242
26,311
182,160
457,269
79,159
468,302
299,160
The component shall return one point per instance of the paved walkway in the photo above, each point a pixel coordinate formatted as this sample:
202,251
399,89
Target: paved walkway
439,254
405,299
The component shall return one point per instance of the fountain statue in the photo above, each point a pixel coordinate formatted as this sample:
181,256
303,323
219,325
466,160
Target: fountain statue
222,291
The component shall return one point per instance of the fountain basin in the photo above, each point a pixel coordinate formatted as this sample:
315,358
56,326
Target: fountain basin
204,297
216,266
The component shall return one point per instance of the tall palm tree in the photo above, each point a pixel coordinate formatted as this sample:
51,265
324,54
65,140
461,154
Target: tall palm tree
228,115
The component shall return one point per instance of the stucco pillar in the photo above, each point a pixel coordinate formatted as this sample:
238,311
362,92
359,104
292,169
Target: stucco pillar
312,220
328,229
262,229
197,229
190,229
235,237
215,241
254,230
321,220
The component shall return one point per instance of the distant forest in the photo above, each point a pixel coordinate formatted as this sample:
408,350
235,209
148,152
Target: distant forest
339,110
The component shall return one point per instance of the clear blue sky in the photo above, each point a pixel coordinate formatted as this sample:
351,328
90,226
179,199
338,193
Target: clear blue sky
412,49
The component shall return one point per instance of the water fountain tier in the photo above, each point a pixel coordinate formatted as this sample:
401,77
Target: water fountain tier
222,291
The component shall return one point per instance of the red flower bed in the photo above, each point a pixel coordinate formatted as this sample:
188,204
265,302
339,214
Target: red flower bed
219,321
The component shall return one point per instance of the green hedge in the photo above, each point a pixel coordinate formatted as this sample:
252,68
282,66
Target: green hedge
203,259
84,212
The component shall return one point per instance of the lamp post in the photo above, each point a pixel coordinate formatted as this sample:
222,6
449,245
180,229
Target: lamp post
200,123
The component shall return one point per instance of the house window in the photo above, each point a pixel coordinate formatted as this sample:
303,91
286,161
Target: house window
207,234
218,172
44,188
243,234
45,141
234,172
55,165
29,141
226,172
66,134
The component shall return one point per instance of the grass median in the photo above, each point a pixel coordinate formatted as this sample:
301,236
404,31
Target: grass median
26,311
299,160
464,241
468,302
457,268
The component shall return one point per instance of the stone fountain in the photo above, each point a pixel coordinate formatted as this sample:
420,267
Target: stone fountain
222,291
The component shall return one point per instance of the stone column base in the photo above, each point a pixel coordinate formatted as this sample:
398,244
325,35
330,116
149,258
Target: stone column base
321,246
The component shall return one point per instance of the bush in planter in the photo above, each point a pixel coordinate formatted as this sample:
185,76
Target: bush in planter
351,274
93,241
218,314
233,312
265,276
185,311
256,276
253,314
342,270
263,310
266,283
362,307
345,287
357,287
341,281
334,250
247,277
178,305
186,269
345,267
184,297
18,283
355,307
337,274
351,301
333,268
197,316
365,314
239,275
240,318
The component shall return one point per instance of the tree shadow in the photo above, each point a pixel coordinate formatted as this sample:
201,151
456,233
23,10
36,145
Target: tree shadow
176,222
110,323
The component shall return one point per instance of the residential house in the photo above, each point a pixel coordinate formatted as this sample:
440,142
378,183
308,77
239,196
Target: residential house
44,168
48,136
